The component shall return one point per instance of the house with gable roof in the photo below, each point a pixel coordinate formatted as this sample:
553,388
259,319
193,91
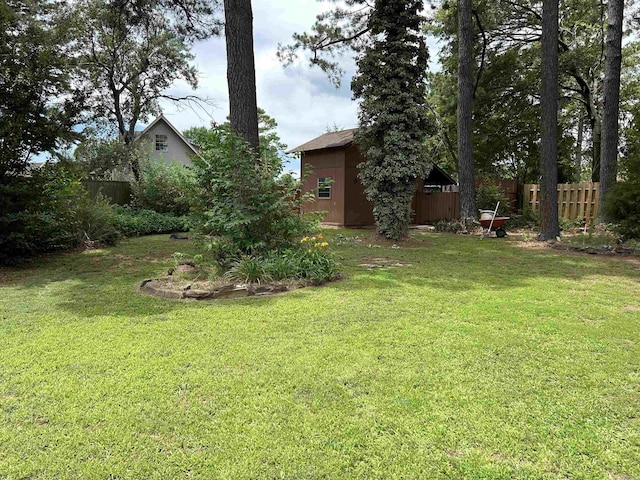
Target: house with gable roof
165,143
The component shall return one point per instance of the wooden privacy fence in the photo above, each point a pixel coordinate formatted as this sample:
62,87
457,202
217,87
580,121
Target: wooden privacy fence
435,206
575,200
508,186
118,193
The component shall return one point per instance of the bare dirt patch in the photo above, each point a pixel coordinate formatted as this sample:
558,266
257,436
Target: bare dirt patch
382,263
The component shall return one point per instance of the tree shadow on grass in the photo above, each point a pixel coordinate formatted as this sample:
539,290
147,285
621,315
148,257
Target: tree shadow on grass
103,282
97,282
459,264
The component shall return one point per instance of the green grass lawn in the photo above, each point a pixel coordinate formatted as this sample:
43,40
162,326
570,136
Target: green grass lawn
477,359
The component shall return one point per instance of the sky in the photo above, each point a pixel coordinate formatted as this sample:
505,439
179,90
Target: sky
301,98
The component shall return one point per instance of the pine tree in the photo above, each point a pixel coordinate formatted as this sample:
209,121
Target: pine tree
465,99
613,62
241,72
392,116
549,226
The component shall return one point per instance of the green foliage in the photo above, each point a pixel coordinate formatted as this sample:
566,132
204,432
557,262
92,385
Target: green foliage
248,270
507,84
105,157
97,221
487,196
336,31
272,150
243,207
134,223
623,207
164,188
392,116
132,52
38,104
598,235
50,210
314,265
450,227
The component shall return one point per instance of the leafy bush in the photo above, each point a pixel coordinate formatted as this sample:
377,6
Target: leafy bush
249,270
487,196
569,225
164,188
451,227
49,210
622,206
133,223
97,221
598,235
99,157
244,208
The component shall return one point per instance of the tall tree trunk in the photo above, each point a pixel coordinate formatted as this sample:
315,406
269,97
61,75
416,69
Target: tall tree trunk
613,61
578,160
465,102
549,226
596,138
241,71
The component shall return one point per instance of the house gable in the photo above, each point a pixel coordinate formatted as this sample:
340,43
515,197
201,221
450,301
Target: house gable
164,142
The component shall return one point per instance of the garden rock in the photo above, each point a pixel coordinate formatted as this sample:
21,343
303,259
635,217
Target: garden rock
186,267
168,288
178,236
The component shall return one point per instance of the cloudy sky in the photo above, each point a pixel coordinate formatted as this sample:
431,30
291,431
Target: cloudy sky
300,98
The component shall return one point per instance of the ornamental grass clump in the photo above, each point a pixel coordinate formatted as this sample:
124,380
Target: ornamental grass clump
310,263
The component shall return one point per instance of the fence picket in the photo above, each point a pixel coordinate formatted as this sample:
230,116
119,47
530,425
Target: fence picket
575,200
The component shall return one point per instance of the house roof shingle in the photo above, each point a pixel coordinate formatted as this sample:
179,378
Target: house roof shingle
328,140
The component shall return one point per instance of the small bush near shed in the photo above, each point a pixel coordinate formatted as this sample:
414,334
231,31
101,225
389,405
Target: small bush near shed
487,196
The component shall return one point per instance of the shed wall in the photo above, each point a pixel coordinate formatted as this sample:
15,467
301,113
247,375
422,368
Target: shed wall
326,163
358,210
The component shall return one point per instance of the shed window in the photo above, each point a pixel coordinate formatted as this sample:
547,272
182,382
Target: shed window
161,143
324,187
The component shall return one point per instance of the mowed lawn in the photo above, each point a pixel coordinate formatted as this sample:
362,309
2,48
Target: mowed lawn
478,359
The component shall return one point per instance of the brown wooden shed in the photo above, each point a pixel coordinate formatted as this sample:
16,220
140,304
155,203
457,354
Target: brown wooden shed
331,161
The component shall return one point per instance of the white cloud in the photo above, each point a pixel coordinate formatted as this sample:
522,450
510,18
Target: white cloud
300,98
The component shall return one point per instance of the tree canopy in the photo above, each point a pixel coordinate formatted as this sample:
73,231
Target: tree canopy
39,104
133,51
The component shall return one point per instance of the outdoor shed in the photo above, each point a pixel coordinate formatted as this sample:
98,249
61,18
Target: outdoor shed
331,164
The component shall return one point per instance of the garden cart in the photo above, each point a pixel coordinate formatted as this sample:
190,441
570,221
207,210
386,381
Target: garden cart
491,223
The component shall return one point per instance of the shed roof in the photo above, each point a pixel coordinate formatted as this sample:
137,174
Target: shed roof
328,140
345,137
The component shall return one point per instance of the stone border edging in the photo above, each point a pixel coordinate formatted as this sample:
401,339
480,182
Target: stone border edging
222,293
